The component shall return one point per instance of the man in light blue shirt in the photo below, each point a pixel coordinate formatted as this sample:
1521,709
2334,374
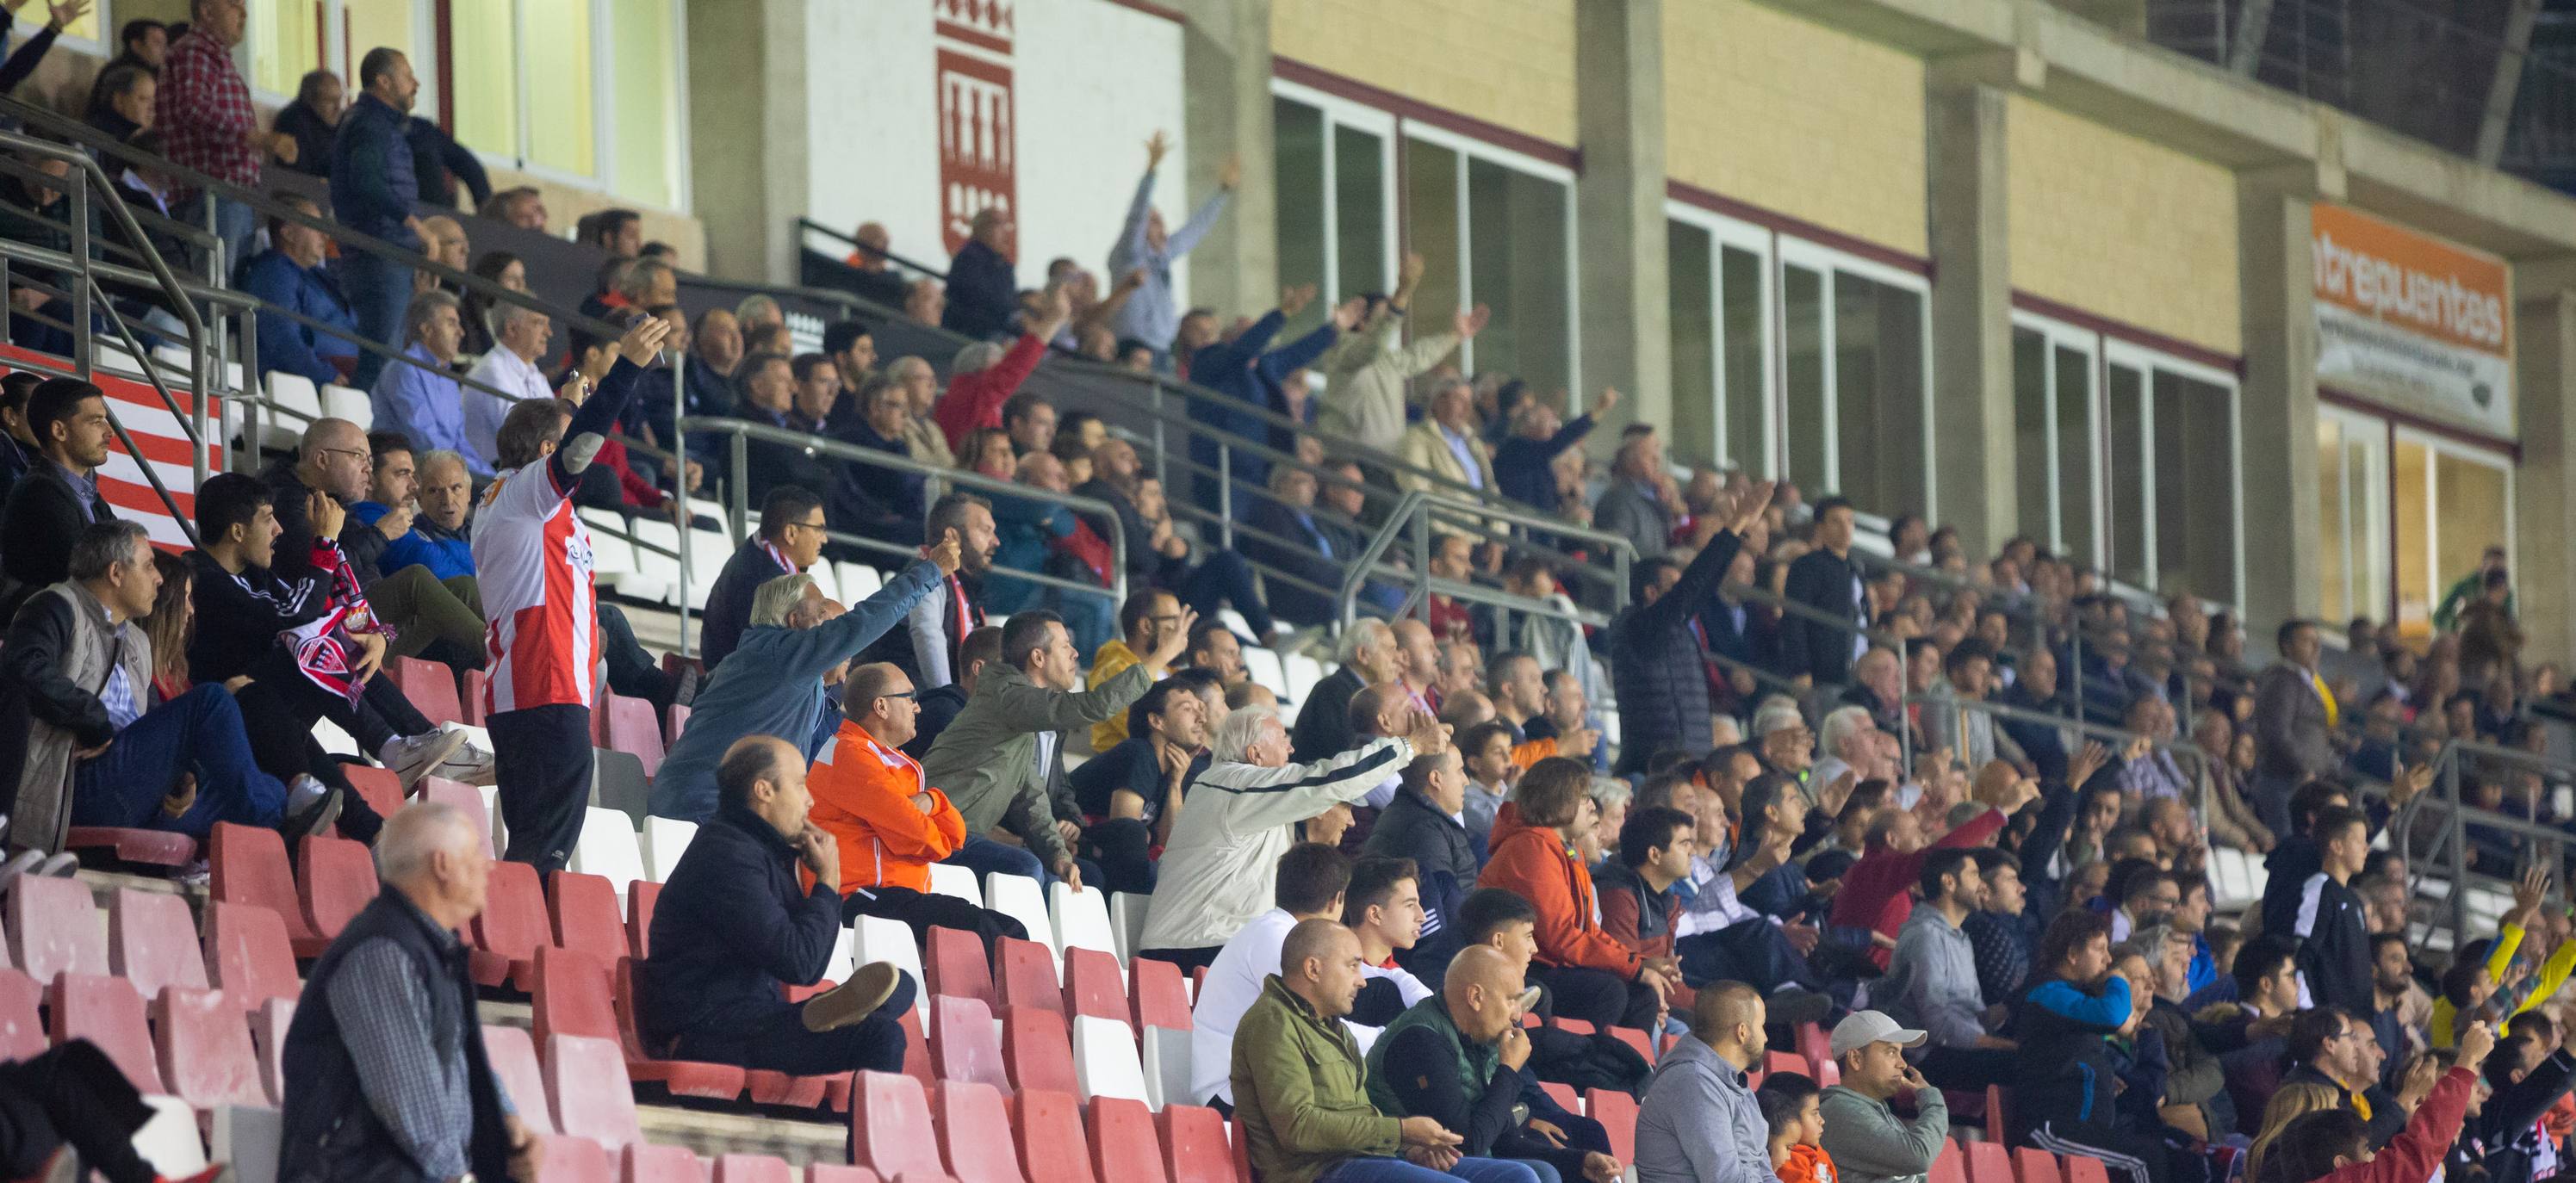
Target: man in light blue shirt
420,399
1151,315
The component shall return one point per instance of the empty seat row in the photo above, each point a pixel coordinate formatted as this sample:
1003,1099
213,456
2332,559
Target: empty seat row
1036,1136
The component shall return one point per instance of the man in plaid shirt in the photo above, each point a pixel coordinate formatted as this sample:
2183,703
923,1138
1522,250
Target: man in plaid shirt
207,123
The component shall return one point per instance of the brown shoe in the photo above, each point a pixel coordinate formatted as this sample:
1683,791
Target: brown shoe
852,1000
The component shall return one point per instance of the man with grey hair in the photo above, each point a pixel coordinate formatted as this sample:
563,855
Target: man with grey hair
1214,875
649,283
921,385
519,338
384,1065
1368,655
1641,503
415,395
779,681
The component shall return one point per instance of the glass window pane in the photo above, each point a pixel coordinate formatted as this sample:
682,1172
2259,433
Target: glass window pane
1878,391
2413,557
285,39
483,75
1359,213
2334,544
382,23
644,82
1298,151
2075,453
1747,337
1516,236
2196,489
2365,461
1802,300
2126,398
1694,327
1431,214
2031,444
559,86
2469,497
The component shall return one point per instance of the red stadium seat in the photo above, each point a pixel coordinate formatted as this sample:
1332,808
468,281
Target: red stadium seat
1814,1045
513,1055
1777,1061
152,941
476,683
1039,1050
1949,1166
1563,1094
511,928
2035,1165
586,1082
1988,1162
975,1133
888,1113
430,686
823,1172
1024,974
22,1028
647,1163
1048,1128
585,915
151,848
641,895
1162,998
54,928
674,721
249,867
2081,1168
778,1088
205,1053
963,1044
1637,1041
955,966
572,1160
1124,1146
107,1012
916,1051
1242,1153
632,728
1995,1123
573,996
339,881
382,789
1093,986
1617,1113
1194,1145
268,1026
753,1168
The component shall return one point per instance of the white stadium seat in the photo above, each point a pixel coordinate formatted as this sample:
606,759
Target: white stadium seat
607,849
1167,1067
1127,921
1018,897
879,939
664,840
1081,920
1104,1060
342,402
951,879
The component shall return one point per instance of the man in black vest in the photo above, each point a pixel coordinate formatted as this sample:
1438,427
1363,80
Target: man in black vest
385,1069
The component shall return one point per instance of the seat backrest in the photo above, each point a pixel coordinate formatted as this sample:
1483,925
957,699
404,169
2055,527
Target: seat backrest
664,840
1166,1057
1617,1113
647,1163
753,1168
876,938
825,1172
2080,1168
916,1049
1047,1126
513,922
513,1054
675,722
1018,897
1081,919
1194,1145
1575,1026
952,880
1124,1145
618,782
54,928
268,1024
107,1012
1024,974
639,916
205,1052
465,800
1127,922
888,1113
2035,1165
975,1133
585,914
1104,1059
607,849
963,1044
1638,1042
431,687
1563,1094
570,1159
339,882
633,729
1949,1166
572,998
586,1082
477,684
1093,985
152,941
1162,996
1988,1162
22,1027
1038,1050
382,789
955,966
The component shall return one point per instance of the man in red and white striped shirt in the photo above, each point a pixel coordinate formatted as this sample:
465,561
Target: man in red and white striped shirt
533,560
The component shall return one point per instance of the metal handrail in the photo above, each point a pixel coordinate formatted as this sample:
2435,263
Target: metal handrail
805,225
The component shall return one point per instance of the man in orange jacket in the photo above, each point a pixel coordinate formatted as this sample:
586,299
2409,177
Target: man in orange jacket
1592,975
889,826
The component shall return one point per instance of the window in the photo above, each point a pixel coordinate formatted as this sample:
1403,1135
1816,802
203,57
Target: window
2453,501
285,40
1854,375
1336,206
2352,526
483,74
561,132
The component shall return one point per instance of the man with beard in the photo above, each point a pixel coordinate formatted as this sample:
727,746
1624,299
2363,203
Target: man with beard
927,648
59,494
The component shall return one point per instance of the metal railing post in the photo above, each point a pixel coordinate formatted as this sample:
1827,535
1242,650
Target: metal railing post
679,360
2450,777
1224,491
738,489
1162,450
84,351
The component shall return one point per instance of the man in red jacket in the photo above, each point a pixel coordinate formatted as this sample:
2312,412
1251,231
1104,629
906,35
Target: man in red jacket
984,376
1873,891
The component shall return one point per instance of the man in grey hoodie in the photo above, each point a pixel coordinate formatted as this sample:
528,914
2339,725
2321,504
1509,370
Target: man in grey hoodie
1931,981
1868,1142
1698,1121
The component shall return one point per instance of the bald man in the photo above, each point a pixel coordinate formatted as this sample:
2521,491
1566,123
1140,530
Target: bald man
1698,1122
1377,711
386,1027
1421,653
333,470
1462,1059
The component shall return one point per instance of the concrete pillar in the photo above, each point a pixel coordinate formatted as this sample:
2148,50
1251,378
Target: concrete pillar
1623,280
1225,64
2544,577
747,115
2278,402
1972,356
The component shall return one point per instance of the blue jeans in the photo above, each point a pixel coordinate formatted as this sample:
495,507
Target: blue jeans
984,856
235,223
1396,1170
379,291
198,732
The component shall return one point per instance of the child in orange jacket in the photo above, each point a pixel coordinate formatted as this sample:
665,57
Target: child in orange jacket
1790,1104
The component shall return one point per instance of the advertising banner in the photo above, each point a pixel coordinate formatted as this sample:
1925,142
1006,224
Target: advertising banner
2412,319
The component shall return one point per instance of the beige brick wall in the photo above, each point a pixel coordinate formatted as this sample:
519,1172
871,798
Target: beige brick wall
1791,116
2122,228
1507,62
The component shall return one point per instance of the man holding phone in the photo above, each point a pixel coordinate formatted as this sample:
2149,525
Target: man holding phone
1867,1141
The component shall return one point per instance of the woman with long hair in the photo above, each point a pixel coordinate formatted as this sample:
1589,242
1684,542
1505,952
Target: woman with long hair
174,617
2290,1103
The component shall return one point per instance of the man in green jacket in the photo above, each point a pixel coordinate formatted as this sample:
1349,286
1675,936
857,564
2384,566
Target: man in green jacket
988,759
1868,1142
1300,1087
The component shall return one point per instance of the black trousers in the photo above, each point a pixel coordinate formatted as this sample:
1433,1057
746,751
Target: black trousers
72,1095
776,1040
1967,1068
923,911
1598,997
1122,847
279,708
632,671
542,766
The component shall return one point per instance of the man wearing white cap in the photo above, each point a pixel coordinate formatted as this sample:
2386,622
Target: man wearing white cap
1865,1138
1698,1121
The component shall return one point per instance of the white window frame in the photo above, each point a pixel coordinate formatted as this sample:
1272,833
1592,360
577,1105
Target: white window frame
1340,112
1468,149
2061,335
2150,362
1790,251
2436,580
1725,232
2373,571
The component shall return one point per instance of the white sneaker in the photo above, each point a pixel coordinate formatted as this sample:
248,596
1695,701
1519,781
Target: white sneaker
412,757
469,763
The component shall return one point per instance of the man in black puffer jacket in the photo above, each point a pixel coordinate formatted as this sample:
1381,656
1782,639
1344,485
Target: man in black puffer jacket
1658,662
1422,824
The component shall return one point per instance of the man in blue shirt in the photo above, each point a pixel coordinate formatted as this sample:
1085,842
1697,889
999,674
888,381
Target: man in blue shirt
1149,315
290,275
418,396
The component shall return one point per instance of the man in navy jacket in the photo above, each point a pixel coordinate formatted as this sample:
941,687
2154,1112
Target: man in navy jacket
291,276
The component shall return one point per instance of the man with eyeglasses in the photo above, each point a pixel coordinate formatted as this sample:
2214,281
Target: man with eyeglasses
2329,1047
790,541
1143,621
889,823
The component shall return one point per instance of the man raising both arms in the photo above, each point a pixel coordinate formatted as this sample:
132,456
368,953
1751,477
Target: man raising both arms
542,637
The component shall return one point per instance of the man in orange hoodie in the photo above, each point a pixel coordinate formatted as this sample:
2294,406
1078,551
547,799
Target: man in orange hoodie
889,826
1592,975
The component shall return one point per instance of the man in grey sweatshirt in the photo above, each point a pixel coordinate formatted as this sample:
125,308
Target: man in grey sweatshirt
1868,1142
1698,1122
1931,981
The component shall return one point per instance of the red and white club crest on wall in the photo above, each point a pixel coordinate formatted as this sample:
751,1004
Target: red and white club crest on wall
977,164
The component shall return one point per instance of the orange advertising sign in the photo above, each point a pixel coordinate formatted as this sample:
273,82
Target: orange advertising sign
2402,313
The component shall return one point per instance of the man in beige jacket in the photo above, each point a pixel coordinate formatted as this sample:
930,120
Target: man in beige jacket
1366,372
